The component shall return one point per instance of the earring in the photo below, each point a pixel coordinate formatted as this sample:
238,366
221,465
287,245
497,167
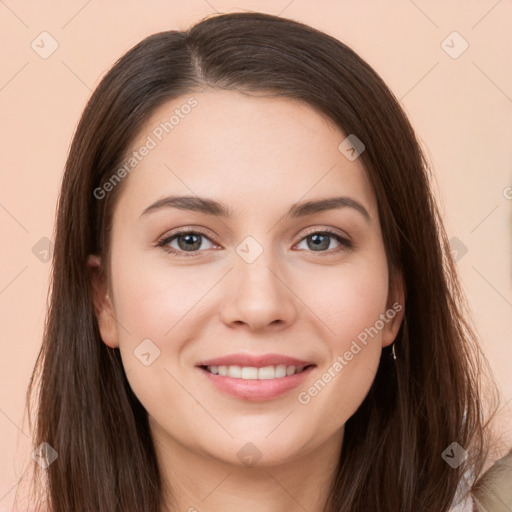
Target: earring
393,353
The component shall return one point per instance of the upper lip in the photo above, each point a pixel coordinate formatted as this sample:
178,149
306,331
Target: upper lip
257,361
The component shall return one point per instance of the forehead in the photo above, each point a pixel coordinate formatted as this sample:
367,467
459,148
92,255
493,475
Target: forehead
252,151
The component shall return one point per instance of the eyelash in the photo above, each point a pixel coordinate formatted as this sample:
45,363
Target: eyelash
346,244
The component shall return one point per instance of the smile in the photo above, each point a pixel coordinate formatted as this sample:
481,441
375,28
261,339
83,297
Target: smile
251,372
247,383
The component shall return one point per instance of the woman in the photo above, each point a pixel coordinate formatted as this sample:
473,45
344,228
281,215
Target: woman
344,375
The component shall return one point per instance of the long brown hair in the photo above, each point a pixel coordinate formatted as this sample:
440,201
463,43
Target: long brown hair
418,405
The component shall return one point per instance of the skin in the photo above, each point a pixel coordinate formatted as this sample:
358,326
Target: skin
258,155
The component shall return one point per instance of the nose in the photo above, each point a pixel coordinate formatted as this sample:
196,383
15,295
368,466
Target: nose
259,296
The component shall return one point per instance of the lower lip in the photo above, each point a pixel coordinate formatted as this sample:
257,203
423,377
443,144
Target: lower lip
255,389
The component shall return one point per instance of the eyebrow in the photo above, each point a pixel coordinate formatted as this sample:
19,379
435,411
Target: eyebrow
212,207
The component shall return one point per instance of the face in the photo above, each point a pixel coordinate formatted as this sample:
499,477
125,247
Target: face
188,286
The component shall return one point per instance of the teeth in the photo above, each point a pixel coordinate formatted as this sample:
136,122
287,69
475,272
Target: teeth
250,372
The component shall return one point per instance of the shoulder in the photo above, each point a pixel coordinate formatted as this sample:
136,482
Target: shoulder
493,490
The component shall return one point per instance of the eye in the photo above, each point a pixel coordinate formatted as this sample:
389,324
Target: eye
191,241
188,241
318,241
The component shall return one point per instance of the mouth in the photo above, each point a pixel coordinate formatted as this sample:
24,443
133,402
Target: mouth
280,371
256,384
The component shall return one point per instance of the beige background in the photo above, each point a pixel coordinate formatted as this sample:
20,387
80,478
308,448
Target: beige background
460,107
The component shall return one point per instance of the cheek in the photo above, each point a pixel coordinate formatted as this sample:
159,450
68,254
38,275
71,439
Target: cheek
154,302
348,298
152,298
350,302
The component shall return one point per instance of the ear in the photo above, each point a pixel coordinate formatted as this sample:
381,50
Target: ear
395,309
103,306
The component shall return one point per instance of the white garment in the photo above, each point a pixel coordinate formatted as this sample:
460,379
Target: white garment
466,503
463,502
